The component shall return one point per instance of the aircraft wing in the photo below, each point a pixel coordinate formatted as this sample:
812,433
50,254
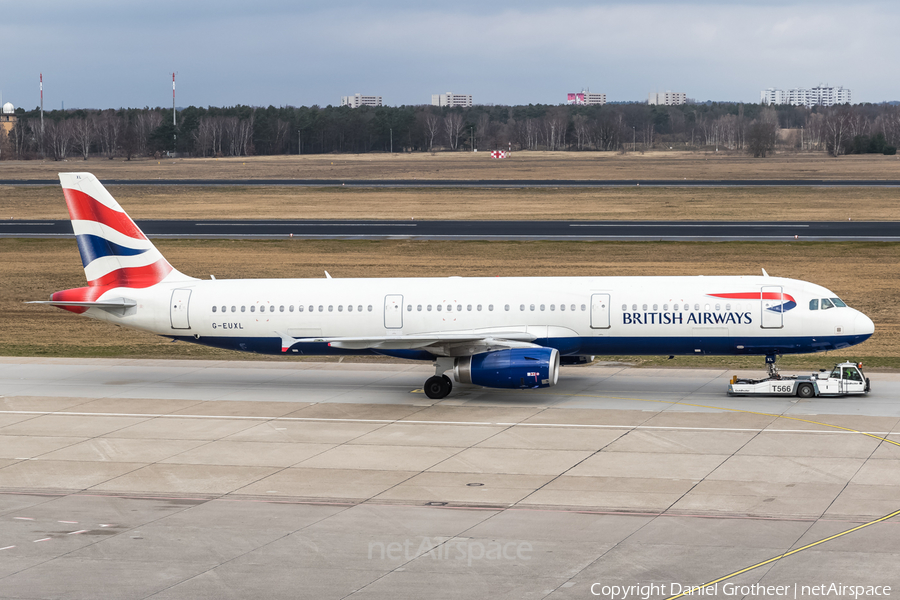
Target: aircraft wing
439,344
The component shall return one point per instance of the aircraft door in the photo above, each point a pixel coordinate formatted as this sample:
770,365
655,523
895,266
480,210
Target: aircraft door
772,303
393,311
600,311
181,300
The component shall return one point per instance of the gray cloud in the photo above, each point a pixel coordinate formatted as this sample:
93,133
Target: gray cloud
106,53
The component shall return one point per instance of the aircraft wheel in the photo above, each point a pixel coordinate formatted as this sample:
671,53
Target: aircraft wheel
437,387
449,383
805,390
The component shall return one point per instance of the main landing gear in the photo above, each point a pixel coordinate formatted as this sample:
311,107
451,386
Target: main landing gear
439,386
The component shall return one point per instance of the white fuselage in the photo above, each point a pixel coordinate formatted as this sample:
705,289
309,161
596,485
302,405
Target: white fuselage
576,315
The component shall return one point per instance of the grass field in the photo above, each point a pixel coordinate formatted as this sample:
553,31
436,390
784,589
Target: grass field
631,203
467,165
863,274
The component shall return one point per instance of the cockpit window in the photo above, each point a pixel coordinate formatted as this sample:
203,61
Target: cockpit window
826,304
814,304
838,302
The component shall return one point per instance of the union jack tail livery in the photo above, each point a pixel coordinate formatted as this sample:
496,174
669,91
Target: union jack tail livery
114,251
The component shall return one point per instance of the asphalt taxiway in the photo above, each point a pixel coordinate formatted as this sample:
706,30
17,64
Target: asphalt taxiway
192,479
832,231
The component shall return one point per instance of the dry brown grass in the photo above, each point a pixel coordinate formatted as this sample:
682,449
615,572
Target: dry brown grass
632,203
864,274
467,165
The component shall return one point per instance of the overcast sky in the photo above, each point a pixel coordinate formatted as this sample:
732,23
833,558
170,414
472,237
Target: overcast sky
109,53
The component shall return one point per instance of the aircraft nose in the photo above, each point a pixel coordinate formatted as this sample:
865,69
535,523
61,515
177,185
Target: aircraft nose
863,325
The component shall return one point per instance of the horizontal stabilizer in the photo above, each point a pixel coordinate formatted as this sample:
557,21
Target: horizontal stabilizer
117,305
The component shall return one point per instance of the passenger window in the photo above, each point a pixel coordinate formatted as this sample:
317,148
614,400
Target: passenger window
655,307
624,307
665,308
814,304
727,307
359,308
459,307
583,308
439,307
214,309
542,307
634,307
429,308
409,308
252,309
674,307
370,308
563,307
521,307
644,307
321,308
233,308
469,307
291,308
340,308
419,307
506,307
330,308
449,308
490,307
552,307
826,304
696,307
718,307
300,308
573,307
281,308
838,302
532,308
311,308
243,309
478,308
224,309
349,308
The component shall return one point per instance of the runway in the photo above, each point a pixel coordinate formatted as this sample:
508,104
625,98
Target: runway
488,230
322,480
488,183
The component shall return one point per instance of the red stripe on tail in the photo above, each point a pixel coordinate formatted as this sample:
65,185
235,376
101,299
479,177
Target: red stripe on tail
85,208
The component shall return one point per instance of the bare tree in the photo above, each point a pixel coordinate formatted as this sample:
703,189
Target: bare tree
837,125
453,124
109,128
432,124
59,136
762,133
85,134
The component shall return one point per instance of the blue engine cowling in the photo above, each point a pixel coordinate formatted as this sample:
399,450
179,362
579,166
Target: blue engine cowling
518,368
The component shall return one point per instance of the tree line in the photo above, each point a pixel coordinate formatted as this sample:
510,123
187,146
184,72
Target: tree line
246,130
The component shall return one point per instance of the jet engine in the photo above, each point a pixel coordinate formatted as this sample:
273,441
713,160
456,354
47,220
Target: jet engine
517,368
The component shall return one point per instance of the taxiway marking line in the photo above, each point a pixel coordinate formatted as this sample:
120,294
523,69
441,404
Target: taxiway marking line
699,588
875,434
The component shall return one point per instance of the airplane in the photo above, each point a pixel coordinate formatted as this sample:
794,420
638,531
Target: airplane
498,332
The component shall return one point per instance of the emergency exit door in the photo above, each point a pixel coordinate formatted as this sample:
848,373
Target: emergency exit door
772,304
393,311
181,300
600,311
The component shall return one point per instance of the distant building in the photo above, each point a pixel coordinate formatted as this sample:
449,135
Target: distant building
821,95
7,117
667,98
358,100
587,98
451,99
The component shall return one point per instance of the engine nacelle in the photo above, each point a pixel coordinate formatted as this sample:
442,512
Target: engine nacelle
517,368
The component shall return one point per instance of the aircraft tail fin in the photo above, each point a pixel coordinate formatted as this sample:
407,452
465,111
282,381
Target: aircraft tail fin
114,251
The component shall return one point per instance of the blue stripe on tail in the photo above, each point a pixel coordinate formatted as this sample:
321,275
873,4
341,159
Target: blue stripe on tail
93,247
